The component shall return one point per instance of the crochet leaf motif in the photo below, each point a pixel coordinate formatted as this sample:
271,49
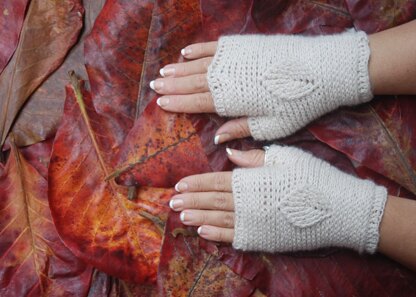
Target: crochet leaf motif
305,207
289,81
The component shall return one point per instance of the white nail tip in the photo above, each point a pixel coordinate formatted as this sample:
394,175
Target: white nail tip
199,230
182,216
216,139
229,151
171,204
162,72
158,103
152,84
183,52
177,187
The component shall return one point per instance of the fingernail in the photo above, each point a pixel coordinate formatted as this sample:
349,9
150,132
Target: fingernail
186,51
189,217
167,71
204,231
221,137
229,151
176,204
199,230
156,85
216,139
162,101
181,186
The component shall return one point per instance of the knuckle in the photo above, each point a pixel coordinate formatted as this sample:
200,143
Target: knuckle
204,218
218,182
193,202
203,101
220,201
200,48
242,128
198,183
219,236
200,82
205,64
228,220
181,68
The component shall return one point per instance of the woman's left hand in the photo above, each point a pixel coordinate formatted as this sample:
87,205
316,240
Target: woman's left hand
206,200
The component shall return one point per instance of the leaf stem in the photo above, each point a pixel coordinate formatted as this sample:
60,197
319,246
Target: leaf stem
160,225
76,86
116,173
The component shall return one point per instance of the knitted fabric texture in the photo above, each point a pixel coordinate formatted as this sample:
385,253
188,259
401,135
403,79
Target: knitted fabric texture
299,202
283,82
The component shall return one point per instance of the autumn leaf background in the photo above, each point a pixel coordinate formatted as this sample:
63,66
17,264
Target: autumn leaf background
88,160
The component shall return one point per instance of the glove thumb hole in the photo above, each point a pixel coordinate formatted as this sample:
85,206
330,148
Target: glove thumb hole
246,159
233,129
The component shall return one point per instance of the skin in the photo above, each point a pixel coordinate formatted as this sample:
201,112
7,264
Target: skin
206,200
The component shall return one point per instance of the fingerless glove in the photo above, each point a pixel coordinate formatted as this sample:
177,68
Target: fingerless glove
283,82
299,202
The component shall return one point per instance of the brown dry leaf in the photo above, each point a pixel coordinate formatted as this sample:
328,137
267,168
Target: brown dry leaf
49,31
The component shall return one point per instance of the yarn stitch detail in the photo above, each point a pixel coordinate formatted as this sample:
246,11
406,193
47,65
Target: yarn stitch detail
289,81
306,207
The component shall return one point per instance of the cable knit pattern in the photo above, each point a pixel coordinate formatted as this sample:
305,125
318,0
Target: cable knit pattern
283,82
299,202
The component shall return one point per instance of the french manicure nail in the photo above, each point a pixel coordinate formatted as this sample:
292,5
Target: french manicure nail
223,137
167,71
229,151
176,204
162,101
186,51
181,186
182,216
199,230
217,139
156,85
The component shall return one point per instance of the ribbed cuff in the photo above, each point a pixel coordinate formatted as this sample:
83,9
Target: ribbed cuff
364,86
376,214
213,81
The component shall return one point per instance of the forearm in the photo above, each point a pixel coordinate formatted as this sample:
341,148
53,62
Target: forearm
393,60
398,231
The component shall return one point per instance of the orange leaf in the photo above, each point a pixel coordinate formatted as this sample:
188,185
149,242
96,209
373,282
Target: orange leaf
94,217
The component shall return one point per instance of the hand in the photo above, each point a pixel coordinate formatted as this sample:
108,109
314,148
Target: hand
206,200
185,89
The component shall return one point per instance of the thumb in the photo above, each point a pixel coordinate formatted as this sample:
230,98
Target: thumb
248,159
233,129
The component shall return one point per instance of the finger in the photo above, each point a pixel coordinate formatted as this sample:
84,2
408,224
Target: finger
204,200
186,68
196,217
207,182
199,50
195,103
234,129
216,233
248,159
196,83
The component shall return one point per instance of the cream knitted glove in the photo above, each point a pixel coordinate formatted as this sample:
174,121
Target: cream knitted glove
283,82
299,202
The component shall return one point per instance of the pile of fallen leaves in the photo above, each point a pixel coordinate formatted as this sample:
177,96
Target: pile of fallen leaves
88,160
